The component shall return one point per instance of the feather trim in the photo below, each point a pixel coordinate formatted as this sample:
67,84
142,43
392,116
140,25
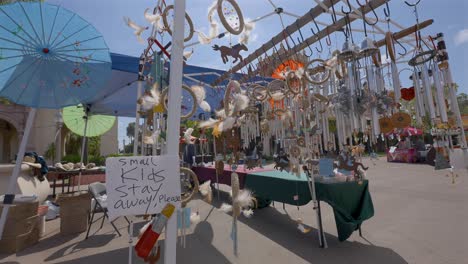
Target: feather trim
199,92
221,114
244,198
227,124
188,136
188,54
248,27
208,123
148,101
241,102
195,218
226,208
205,106
205,188
248,213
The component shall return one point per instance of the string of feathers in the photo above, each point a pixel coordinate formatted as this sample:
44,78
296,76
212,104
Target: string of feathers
206,191
245,37
150,99
213,31
244,199
138,29
154,19
200,96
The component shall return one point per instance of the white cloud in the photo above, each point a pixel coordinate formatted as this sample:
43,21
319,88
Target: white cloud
461,37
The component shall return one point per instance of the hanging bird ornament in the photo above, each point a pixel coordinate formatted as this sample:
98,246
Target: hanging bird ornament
138,29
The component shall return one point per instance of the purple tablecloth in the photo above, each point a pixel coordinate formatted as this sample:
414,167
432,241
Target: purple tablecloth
209,173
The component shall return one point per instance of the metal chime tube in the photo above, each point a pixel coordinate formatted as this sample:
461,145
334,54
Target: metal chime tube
419,95
373,87
428,92
440,94
351,86
396,82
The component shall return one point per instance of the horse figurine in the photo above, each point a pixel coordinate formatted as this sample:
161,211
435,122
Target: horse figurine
233,52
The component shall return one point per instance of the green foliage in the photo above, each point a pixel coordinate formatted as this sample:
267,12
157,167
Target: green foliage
4,101
463,103
73,158
98,160
94,146
131,130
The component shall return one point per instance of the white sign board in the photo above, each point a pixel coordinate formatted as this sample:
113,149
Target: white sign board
141,185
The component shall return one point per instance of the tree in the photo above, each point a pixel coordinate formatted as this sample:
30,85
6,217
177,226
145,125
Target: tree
131,131
463,103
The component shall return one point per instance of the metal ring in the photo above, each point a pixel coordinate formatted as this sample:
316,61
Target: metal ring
223,19
168,27
289,78
186,197
325,70
164,96
416,59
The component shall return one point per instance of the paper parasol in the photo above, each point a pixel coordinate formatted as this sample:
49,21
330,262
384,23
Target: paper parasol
385,124
49,56
74,118
401,120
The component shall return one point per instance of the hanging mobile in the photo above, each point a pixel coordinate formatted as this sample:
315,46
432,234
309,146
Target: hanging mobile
231,16
168,25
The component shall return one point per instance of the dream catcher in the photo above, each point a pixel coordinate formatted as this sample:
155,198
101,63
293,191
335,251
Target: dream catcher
316,72
277,90
188,104
168,21
230,15
189,185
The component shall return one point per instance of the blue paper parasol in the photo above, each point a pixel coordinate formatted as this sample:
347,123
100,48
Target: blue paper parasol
49,56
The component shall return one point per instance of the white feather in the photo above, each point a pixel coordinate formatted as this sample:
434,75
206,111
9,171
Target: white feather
227,124
248,213
153,19
148,101
299,72
194,218
138,29
248,27
188,135
244,198
205,106
208,123
227,208
221,114
199,92
234,86
205,188
188,54
203,39
241,102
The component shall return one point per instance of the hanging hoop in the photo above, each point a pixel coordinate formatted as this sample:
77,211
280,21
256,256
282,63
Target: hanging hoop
232,86
260,93
421,58
389,44
187,196
164,96
321,71
227,26
277,90
167,26
294,83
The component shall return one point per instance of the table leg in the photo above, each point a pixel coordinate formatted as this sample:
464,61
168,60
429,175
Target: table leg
53,188
322,236
63,184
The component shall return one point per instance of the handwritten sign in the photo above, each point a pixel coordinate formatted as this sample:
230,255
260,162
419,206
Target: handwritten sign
141,185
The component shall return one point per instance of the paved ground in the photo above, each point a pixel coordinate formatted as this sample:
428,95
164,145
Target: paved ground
419,218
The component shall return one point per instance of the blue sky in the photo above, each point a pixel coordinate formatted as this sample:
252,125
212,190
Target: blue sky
106,15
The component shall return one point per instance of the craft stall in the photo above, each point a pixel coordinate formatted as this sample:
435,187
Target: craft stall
326,89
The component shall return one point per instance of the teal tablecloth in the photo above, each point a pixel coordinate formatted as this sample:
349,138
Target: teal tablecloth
351,201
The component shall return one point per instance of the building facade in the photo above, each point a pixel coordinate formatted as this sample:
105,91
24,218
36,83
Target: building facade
47,129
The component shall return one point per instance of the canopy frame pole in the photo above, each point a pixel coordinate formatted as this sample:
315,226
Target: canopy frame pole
173,120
